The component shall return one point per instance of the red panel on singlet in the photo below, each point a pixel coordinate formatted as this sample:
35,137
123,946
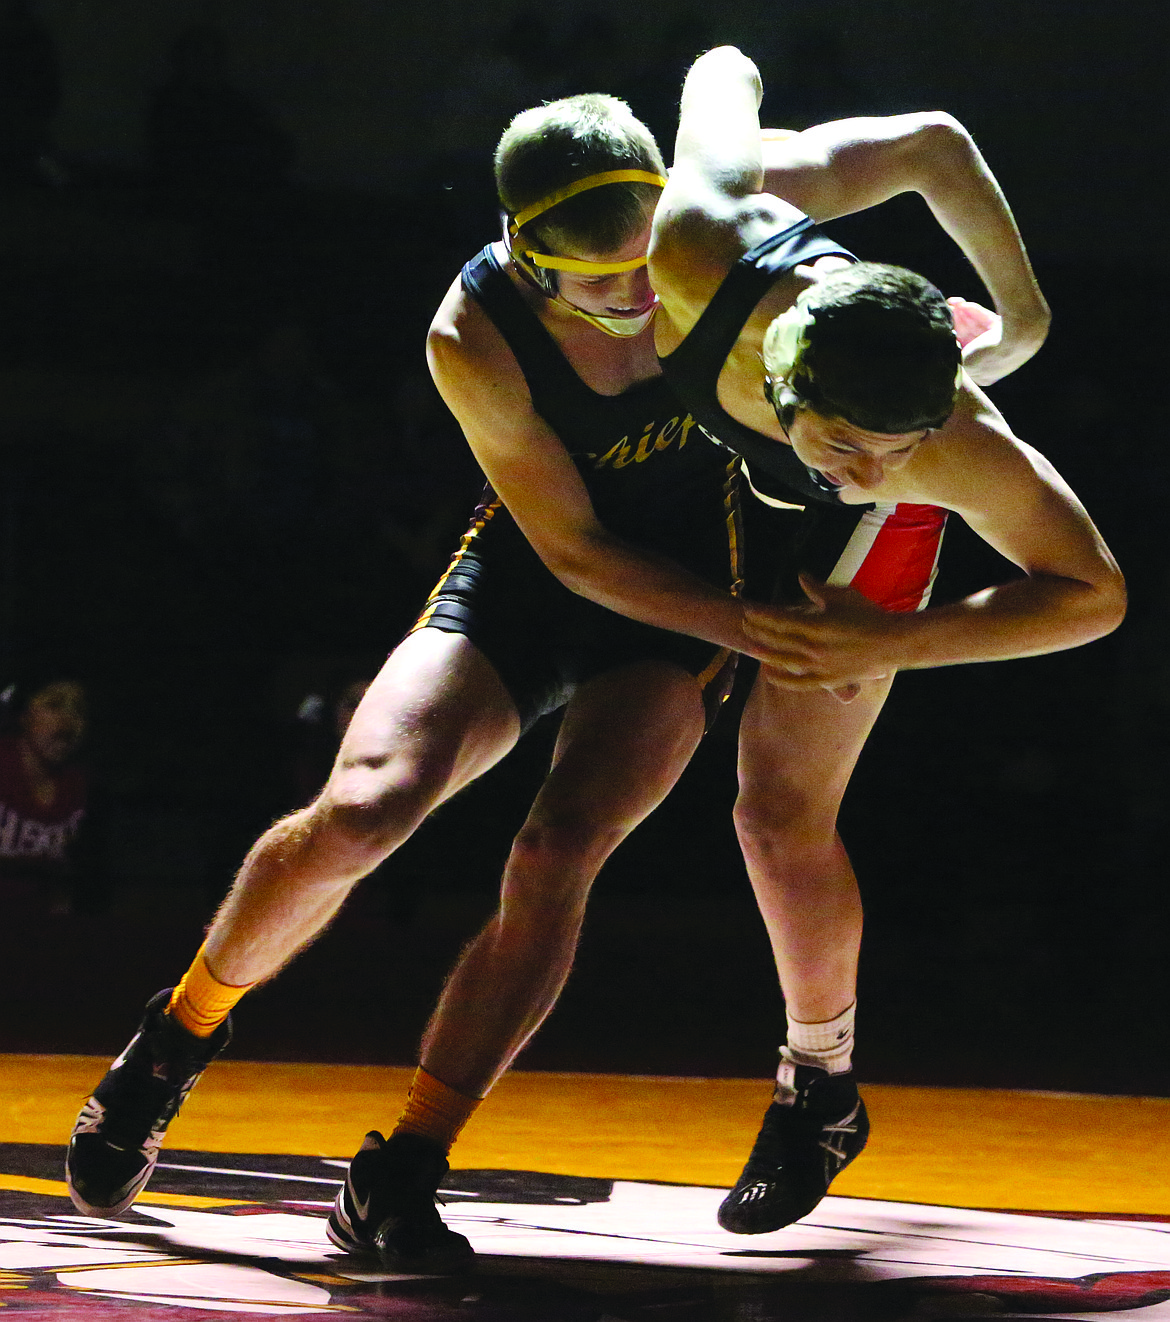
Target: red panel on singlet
898,551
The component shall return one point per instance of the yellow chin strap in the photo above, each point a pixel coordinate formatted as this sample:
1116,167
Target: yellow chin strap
575,264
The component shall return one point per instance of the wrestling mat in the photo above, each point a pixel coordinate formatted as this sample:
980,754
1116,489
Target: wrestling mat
244,1235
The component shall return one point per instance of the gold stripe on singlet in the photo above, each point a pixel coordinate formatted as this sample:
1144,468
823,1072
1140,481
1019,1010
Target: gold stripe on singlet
465,545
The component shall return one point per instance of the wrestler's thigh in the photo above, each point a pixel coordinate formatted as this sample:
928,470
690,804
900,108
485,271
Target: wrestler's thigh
437,711
625,739
798,749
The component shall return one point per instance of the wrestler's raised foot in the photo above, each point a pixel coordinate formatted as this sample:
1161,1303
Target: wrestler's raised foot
802,1146
115,1141
387,1206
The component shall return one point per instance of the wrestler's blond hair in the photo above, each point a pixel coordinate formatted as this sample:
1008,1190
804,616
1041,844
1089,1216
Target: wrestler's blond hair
546,148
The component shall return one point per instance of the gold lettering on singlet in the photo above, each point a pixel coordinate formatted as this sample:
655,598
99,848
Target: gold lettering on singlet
668,434
620,455
615,455
645,449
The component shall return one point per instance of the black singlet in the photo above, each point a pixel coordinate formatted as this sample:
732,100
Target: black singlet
651,474
693,368
654,479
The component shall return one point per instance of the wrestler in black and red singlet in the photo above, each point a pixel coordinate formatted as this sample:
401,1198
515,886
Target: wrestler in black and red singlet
888,552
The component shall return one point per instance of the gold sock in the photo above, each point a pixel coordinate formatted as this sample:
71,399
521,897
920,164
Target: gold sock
200,1003
434,1110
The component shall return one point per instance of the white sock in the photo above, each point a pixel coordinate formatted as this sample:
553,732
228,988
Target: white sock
827,1045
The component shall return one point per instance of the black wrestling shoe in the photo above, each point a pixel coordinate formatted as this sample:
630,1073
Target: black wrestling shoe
800,1149
387,1206
116,1139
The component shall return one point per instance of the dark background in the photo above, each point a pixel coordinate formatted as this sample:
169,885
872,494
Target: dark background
225,485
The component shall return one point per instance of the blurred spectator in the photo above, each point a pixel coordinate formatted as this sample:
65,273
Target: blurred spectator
48,846
30,95
206,135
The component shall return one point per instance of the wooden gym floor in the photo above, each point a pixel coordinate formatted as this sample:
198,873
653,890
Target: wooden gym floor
592,1198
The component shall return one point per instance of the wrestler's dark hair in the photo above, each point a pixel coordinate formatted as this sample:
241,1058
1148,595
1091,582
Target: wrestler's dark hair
550,146
881,350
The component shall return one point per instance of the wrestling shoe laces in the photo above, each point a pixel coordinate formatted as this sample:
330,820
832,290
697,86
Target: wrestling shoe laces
801,1147
387,1206
115,1141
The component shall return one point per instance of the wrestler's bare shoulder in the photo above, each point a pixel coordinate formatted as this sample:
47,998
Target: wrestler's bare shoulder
971,463
462,337
696,241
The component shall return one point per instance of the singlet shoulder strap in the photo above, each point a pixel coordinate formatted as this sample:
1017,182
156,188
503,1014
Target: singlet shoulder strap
703,352
536,351
694,367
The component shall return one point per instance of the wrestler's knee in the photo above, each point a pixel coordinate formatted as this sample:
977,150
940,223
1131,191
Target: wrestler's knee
370,809
783,818
557,854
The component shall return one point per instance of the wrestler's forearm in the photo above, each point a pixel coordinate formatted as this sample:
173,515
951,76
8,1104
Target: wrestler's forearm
1026,617
848,165
654,590
968,203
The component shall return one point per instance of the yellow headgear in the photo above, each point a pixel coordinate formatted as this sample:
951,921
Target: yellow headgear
539,266
575,264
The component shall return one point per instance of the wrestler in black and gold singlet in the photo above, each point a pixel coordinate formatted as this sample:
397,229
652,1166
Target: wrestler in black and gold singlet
654,479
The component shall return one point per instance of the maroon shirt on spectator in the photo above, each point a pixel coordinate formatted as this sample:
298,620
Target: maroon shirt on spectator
35,839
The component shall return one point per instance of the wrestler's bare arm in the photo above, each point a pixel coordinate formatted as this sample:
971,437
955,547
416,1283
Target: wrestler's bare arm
713,207
532,472
717,205
848,165
1072,590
